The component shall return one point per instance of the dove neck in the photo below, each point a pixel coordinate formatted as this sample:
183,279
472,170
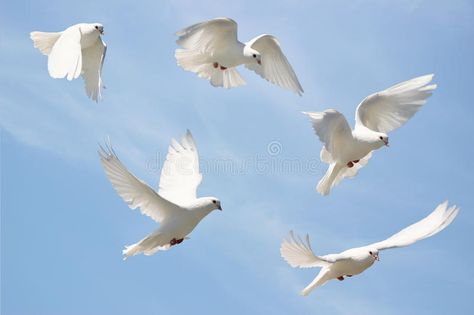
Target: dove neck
201,212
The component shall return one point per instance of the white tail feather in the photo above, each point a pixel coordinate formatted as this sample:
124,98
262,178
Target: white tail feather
320,279
148,246
328,181
44,41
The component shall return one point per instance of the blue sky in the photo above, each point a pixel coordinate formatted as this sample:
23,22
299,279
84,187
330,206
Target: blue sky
63,226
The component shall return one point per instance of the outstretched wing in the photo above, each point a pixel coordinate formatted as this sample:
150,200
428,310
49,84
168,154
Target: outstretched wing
65,58
274,66
437,221
180,175
208,36
332,129
92,62
389,109
134,191
298,253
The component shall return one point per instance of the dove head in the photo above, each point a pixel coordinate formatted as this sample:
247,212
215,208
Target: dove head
374,253
99,28
209,203
379,139
91,30
252,55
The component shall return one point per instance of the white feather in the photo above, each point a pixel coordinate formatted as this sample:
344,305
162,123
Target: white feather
65,58
274,66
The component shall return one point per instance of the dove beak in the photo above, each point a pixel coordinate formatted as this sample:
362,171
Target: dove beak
386,143
259,61
220,208
376,256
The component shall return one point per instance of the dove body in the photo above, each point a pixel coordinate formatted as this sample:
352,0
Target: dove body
231,56
182,224
212,50
297,252
347,150
78,50
175,206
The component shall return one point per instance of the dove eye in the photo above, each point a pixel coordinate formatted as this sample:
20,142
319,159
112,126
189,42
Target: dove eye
370,253
380,138
254,55
214,201
96,27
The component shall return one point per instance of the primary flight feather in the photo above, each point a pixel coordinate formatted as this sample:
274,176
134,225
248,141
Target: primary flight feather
298,252
175,206
211,49
346,150
78,50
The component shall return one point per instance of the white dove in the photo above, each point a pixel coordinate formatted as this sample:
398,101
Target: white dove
175,207
211,49
298,253
77,50
346,150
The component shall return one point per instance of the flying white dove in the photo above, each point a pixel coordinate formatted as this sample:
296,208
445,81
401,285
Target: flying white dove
77,50
211,49
346,150
298,252
175,206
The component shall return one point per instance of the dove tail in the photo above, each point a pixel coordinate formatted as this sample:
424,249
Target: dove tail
329,179
44,41
148,246
321,279
131,250
227,78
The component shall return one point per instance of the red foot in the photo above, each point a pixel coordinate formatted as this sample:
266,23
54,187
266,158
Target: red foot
356,161
223,68
349,276
175,241
215,65
350,164
340,278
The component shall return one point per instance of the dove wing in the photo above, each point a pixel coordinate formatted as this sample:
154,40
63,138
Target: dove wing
332,129
274,66
134,191
435,222
65,58
180,175
298,253
93,60
208,36
389,109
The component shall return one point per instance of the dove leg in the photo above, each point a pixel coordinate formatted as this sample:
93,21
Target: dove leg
174,241
340,278
350,164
